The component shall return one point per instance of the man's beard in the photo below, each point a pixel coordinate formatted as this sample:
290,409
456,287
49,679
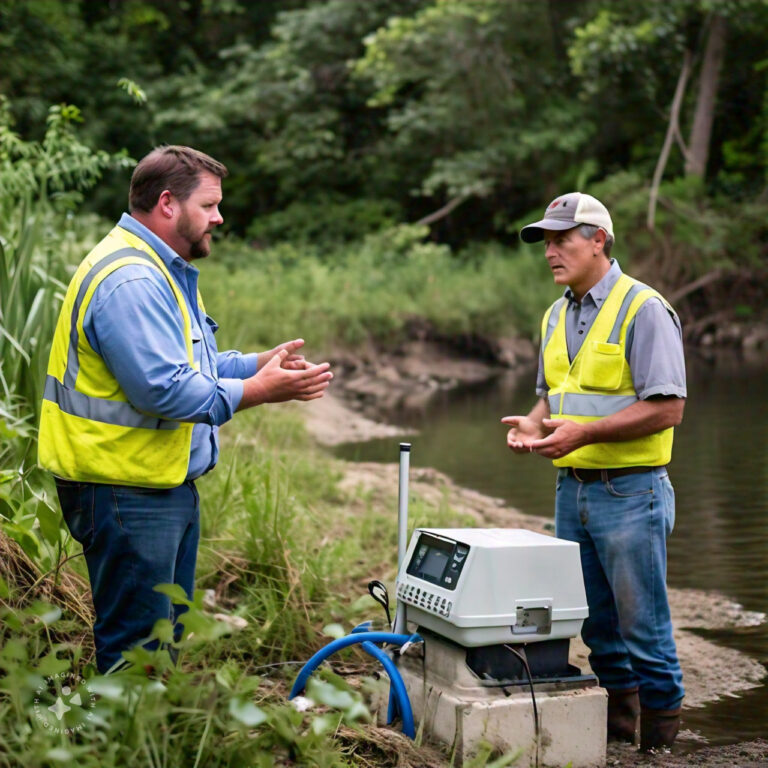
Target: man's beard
198,249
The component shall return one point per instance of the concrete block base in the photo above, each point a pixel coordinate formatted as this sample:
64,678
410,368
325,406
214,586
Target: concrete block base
451,707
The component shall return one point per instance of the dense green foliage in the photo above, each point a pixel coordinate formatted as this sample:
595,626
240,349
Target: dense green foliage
491,105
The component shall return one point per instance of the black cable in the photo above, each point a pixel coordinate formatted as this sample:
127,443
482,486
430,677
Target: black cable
378,592
524,660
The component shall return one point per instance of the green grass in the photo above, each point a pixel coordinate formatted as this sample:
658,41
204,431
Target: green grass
372,292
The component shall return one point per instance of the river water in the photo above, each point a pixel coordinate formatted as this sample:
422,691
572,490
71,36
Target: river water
719,470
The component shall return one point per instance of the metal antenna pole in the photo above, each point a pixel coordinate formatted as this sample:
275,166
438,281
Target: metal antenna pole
402,527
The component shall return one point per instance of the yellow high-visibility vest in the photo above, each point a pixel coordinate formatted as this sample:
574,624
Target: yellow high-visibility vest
598,382
89,432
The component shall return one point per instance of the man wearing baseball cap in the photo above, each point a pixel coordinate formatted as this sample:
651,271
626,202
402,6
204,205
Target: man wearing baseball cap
611,384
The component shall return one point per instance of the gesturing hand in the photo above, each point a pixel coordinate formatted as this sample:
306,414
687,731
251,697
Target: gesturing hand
524,430
566,436
276,383
291,361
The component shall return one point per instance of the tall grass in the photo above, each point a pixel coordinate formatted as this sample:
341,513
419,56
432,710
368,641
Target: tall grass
373,291
40,240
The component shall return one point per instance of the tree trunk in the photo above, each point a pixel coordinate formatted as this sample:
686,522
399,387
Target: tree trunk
701,132
673,130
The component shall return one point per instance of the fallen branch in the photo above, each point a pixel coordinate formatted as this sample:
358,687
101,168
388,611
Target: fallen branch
701,282
441,213
694,329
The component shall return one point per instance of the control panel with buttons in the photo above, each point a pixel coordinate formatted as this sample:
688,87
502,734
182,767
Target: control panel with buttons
422,598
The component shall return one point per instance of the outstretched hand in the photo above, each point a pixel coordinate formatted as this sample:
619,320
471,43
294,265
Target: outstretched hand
275,382
524,431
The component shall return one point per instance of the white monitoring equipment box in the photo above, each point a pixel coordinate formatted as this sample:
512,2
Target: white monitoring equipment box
490,586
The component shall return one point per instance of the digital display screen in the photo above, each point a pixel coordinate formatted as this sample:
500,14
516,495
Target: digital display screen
433,564
438,560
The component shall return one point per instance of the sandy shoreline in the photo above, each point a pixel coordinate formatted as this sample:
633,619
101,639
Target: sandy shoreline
726,672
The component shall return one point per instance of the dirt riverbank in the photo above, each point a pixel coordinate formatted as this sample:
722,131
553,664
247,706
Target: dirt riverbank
711,671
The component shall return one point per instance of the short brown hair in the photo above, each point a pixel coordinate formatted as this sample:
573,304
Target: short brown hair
170,167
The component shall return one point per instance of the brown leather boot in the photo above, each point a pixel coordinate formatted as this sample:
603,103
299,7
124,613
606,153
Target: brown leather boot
623,711
658,728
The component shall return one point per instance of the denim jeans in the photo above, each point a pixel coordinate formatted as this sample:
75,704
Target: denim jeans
133,539
622,527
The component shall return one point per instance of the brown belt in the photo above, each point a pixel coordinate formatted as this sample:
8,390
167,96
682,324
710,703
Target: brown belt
593,475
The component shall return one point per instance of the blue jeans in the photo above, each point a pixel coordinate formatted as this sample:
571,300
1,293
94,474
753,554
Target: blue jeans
622,527
133,539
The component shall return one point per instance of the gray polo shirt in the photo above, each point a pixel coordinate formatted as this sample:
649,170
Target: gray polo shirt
654,346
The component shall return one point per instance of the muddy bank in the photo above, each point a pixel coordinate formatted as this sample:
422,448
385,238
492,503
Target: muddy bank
376,383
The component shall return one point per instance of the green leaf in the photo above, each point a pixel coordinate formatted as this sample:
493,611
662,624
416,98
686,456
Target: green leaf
50,523
163,630
175,592
334,630
108,687
46,612
14,650
358,711
326,723
51,665
26,540
362,604
60,754
246,712
226,676
330,695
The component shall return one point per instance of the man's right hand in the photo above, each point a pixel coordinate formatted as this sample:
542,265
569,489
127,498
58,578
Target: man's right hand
275,384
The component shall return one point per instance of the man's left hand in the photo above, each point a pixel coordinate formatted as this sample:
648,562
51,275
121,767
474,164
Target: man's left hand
566,437
292,361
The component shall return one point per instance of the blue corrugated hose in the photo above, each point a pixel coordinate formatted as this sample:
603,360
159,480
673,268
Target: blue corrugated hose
362,636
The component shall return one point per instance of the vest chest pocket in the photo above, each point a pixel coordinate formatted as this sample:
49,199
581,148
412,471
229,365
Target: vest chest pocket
602,366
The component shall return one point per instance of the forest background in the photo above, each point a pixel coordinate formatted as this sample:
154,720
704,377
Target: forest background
382,156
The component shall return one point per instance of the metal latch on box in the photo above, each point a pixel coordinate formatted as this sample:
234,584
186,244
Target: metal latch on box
533,620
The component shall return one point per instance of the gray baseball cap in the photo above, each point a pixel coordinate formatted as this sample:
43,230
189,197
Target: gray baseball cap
566,212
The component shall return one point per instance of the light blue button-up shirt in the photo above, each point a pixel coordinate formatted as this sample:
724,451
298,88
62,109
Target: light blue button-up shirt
133,321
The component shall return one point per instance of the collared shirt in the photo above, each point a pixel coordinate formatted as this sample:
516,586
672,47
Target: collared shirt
133,321
654,344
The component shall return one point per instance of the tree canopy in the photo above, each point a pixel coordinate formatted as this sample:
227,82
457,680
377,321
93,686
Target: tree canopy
464,114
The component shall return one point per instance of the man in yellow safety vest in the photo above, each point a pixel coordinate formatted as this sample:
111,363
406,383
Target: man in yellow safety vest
137,389
612,387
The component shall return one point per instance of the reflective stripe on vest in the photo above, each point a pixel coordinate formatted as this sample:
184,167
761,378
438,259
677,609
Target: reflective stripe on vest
577,404
64,394
117,412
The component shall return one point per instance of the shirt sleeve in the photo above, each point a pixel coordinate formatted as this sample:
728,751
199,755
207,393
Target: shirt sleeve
136,326
235,365
655,347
